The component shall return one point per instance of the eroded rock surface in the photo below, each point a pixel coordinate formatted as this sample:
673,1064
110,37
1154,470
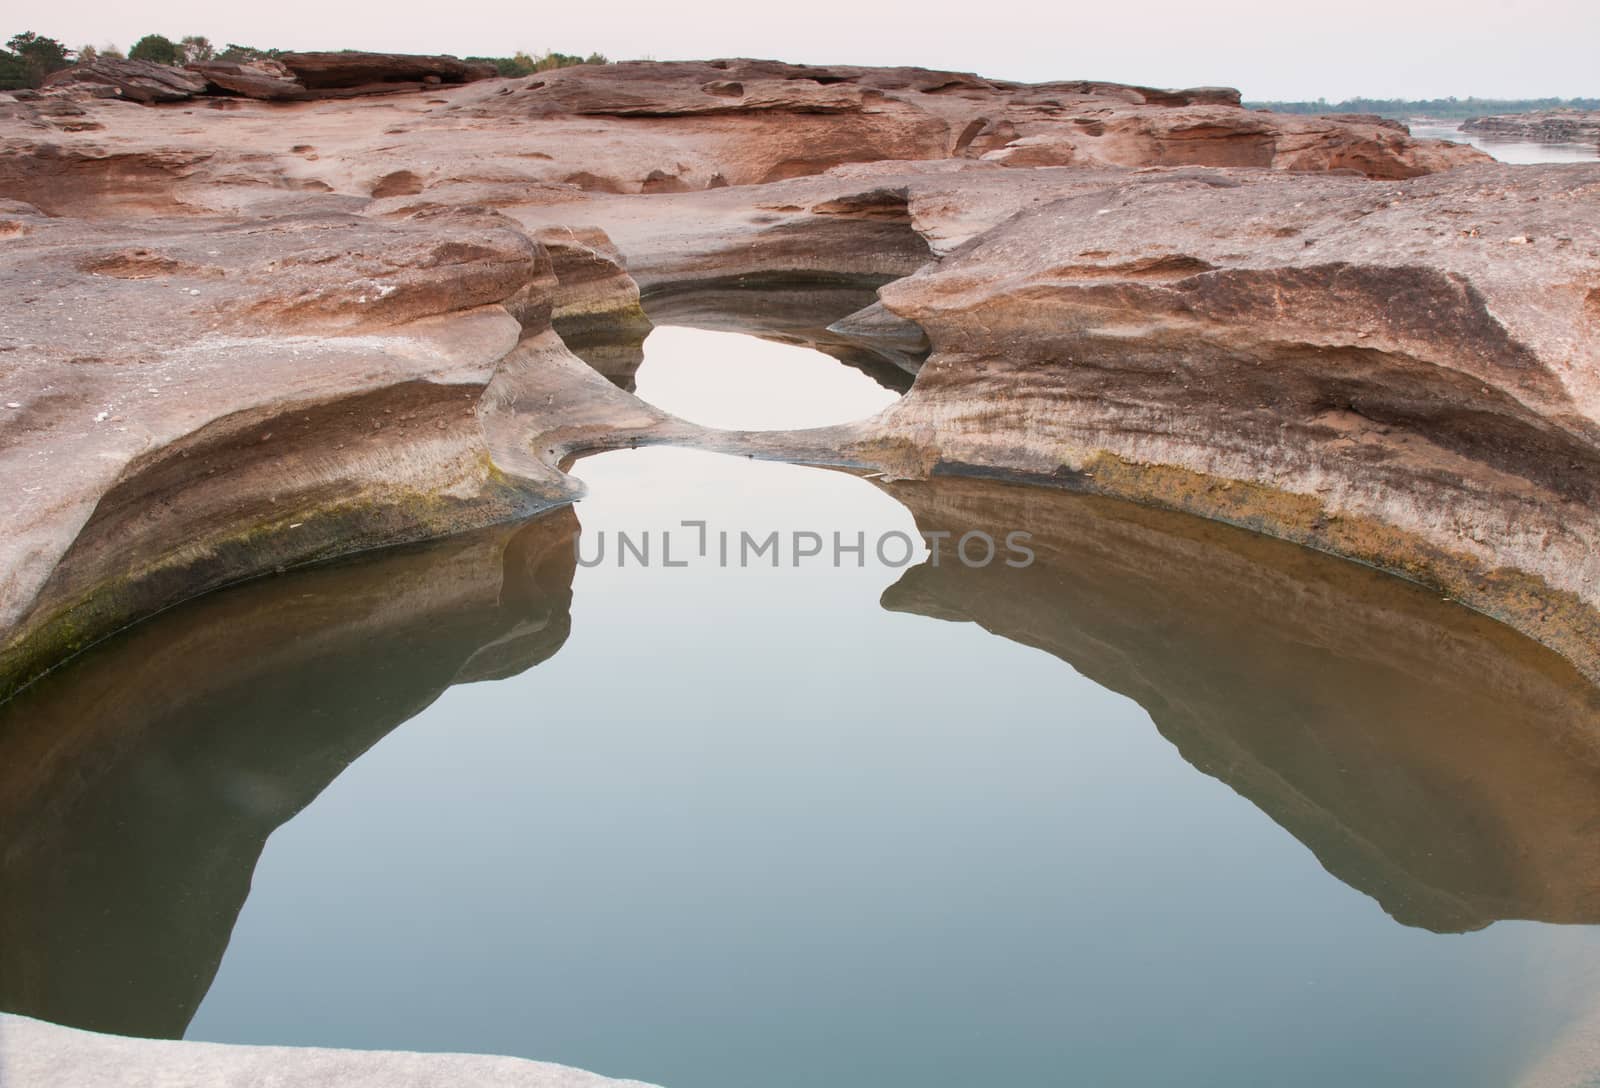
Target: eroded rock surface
238,336
345,71
198,401
1407,374
643,128
759,121
1319,328
132,80
289,77
268,80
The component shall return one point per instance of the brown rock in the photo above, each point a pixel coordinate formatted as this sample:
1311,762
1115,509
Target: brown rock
132,80
334,71
265,79
870,114
137,446
1399,371
1389,387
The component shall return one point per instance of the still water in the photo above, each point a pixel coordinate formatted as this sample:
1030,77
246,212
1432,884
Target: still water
723,379
1171,804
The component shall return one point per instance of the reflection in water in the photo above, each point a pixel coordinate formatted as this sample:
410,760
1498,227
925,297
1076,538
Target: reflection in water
794,309
719,379
138,784
745,812
1431,758
791,309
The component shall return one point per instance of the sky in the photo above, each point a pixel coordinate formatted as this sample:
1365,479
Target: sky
1282,50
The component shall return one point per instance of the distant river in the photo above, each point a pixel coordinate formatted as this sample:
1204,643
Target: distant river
1522,152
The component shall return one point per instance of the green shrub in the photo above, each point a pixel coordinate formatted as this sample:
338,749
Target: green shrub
237,53
28,58
156,49
13,72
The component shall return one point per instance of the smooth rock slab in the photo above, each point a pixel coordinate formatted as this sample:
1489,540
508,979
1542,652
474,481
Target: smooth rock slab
34,1054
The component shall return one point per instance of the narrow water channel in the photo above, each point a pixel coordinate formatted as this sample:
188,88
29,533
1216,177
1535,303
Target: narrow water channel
1164,803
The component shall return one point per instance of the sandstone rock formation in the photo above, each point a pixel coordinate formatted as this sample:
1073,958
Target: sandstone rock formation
337,360
238,336
289,77
1365,368
1409,375
1400,371
134,80
345,70
268,80
645,127
775,121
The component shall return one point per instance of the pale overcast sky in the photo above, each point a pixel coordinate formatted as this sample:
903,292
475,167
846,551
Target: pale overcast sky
1382,48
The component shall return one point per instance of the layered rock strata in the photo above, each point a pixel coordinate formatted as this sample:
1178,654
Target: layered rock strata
199,401
288,77
1374,358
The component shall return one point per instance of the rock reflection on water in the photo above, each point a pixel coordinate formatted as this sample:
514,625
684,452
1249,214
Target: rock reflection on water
138,784
793,309
1429,758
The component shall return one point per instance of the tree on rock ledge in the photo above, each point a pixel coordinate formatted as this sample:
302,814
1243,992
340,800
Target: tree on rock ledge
239,54
156,49
195,48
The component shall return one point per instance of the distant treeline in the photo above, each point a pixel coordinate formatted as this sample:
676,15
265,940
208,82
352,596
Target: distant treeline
28,57
521,64
1453,109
